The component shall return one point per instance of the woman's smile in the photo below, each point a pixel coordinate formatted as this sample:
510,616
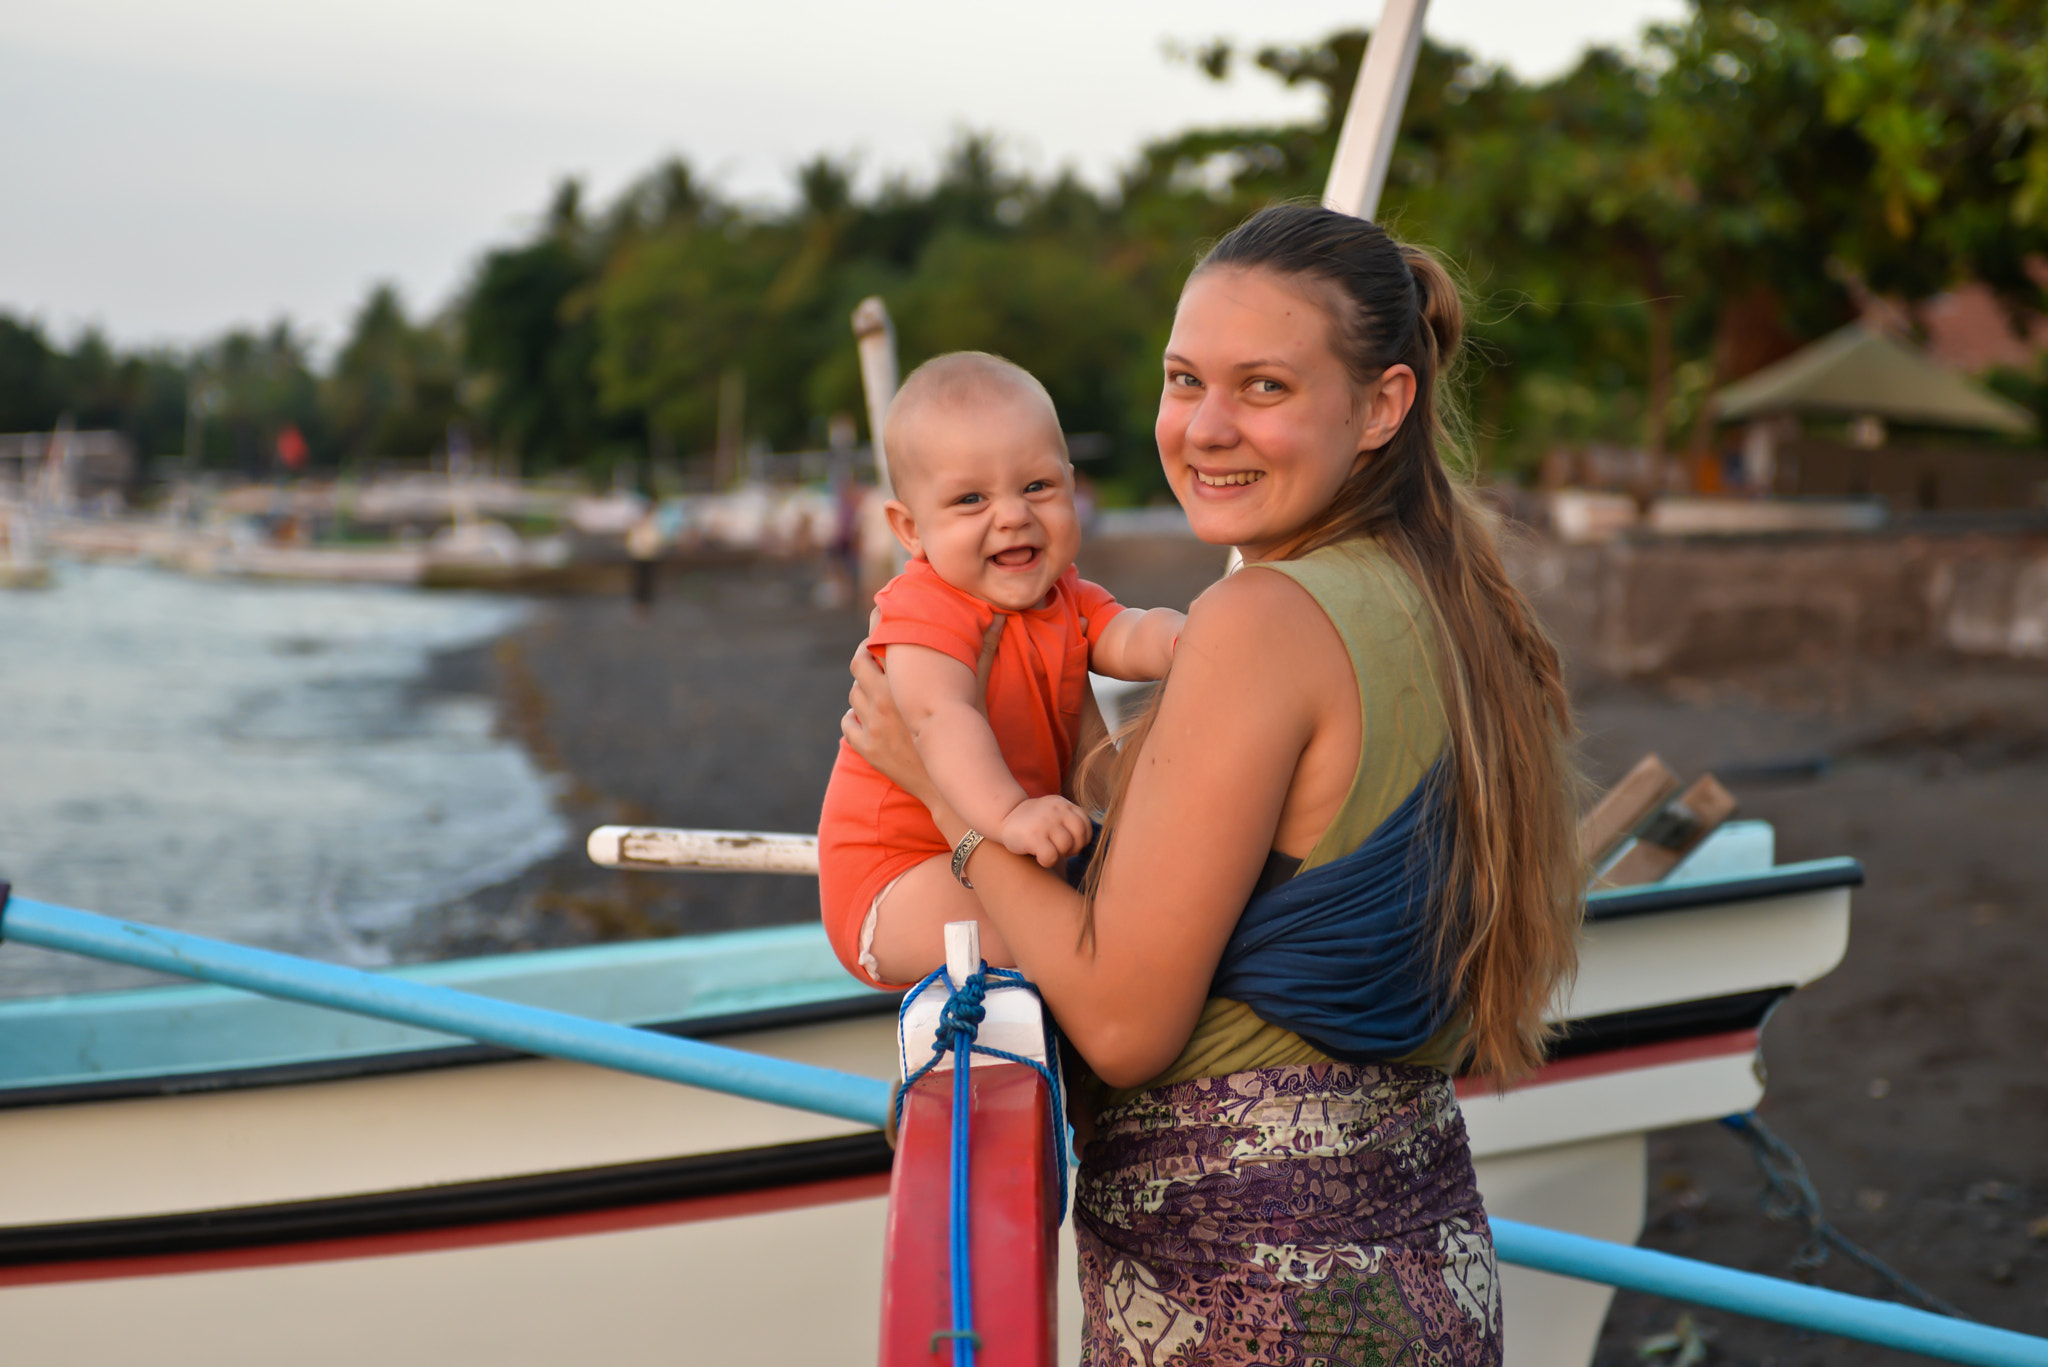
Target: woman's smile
1227,480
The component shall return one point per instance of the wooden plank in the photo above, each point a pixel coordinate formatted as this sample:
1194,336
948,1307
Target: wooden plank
1672,833
1627,805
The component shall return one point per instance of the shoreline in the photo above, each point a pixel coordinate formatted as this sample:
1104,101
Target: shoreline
720,710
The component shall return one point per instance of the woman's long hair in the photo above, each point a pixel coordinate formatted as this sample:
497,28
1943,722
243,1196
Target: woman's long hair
1508,903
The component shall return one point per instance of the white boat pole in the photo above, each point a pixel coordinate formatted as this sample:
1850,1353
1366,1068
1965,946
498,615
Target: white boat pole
876,335
662,847
1365,145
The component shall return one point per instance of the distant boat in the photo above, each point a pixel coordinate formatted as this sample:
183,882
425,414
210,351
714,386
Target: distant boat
21,562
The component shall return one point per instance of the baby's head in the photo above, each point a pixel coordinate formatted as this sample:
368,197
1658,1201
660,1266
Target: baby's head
983,488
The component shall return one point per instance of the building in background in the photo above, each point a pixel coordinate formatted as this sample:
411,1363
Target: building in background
1860,413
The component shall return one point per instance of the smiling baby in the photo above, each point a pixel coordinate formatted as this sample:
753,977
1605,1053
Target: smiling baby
985,506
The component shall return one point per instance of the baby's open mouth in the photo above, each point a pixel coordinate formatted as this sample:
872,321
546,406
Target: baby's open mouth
1016,558
1235,477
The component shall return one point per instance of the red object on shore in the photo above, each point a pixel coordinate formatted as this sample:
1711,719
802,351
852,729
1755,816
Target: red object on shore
291,448
1014,1195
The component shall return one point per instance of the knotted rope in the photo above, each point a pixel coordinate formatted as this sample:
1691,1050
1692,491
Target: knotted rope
959,1023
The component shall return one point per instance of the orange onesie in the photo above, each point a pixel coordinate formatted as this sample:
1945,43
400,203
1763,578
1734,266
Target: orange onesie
871,831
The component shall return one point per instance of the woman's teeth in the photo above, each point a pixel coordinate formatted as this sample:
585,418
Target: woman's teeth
1239,477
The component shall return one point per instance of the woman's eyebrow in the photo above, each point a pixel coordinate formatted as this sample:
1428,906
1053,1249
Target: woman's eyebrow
1256,363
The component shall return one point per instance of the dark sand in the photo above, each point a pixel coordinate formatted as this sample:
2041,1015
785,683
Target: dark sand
1914,1080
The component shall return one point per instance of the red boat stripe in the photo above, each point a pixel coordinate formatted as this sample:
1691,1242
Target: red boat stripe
619,1218
1626,1060
719,1207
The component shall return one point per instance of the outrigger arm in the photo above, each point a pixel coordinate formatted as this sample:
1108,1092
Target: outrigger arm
866,1101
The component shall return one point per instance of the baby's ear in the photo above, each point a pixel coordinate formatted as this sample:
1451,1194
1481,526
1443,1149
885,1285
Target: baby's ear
903,525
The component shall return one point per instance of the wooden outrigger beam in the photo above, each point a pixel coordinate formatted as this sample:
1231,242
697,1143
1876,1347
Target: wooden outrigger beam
674,850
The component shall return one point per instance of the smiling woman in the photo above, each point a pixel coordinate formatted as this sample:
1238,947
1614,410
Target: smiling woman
1338,861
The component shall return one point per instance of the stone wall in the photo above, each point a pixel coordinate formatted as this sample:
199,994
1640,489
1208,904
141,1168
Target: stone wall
1644,606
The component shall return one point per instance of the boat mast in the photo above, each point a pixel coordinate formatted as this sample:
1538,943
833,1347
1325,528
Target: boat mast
1365,145
877,337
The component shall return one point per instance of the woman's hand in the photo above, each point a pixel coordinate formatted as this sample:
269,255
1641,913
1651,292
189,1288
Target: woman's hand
876,730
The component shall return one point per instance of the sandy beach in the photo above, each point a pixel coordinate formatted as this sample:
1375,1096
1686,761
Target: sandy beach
1914,1080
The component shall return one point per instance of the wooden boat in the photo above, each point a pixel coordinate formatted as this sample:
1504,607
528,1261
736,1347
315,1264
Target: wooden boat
216,1177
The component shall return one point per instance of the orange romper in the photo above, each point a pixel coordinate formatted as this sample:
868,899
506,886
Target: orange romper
871,831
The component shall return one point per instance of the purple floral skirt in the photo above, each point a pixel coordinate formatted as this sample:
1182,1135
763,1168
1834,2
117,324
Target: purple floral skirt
1320,1215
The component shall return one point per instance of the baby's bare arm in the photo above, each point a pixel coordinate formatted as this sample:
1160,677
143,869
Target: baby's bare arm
1137,644
937,696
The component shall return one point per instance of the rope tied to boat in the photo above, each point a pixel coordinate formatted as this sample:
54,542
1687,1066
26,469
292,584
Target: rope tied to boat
1789,1195
958,1026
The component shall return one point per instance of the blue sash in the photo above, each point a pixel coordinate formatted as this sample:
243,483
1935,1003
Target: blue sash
1341,954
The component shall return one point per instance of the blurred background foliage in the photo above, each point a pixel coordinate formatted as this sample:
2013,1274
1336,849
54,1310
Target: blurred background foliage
1632,233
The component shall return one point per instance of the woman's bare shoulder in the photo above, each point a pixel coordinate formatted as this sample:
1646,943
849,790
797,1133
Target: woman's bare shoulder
1251,608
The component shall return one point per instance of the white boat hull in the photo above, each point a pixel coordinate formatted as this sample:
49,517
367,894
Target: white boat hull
526,1211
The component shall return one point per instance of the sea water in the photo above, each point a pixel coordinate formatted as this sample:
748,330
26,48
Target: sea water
252,761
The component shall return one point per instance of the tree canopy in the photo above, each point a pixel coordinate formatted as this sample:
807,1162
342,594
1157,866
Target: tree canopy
1633,232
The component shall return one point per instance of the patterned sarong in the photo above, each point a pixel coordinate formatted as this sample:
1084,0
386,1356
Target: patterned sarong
1307,1216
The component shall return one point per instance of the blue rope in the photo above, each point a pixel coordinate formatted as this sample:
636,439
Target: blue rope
959,1023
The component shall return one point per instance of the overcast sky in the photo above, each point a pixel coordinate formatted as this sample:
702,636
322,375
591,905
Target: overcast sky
169,168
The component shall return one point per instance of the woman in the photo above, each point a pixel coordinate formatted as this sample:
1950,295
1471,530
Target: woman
1339,860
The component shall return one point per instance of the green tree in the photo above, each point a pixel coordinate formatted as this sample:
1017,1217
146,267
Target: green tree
392,391
530,342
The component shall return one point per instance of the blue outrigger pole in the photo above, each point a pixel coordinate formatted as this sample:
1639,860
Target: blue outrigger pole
865,1100
528,1029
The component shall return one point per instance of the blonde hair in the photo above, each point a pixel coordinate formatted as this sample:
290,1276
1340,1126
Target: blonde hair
1511,892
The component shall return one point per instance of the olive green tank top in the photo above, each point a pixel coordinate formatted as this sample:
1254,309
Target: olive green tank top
1386,628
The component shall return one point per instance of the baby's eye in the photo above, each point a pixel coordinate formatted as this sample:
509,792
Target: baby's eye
970,498
1037,486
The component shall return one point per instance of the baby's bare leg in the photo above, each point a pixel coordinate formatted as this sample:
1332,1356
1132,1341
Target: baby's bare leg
910,925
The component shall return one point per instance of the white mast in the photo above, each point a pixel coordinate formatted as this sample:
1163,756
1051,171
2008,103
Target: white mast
877,338
1366,143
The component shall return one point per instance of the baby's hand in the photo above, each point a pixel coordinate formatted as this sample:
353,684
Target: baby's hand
1047,829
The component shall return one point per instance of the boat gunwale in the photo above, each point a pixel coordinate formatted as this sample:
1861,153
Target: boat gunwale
384,1063
1580,1035
1782,880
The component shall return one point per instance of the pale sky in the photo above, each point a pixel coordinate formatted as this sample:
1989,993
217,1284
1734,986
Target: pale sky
169,168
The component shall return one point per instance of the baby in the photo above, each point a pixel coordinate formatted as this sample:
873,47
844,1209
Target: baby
985,506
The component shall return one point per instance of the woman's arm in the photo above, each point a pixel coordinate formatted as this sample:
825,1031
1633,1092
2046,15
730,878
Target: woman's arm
1255,680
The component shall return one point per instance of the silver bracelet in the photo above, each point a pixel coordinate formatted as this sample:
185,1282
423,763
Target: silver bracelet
961,852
